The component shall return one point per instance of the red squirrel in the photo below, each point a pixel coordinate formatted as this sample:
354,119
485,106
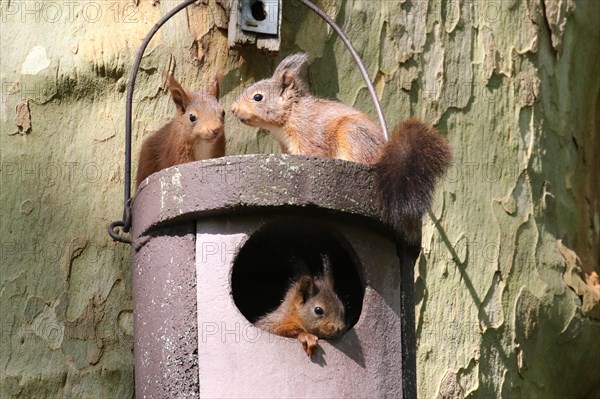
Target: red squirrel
407,166
309,310
195,133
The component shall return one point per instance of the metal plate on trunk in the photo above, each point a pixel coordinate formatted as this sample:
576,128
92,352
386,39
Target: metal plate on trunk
260,16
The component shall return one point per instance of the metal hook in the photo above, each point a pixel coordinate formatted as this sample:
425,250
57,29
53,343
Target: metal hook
115,235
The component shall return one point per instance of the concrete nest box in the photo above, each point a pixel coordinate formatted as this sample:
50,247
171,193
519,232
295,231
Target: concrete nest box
211,245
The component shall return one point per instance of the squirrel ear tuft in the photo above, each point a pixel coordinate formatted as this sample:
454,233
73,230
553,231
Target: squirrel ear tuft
327,270
288,72
215,85
292,63
306,287
178,94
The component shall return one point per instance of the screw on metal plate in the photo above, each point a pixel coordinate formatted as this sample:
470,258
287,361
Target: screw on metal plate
260,16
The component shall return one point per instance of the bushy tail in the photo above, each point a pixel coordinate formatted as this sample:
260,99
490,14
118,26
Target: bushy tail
412,161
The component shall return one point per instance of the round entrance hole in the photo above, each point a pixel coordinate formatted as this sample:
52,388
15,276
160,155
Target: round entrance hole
258,11
267,264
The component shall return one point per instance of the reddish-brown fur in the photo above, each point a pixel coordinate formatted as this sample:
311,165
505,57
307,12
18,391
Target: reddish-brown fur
291,327
295,317
304,124
407,166
411,162
181,140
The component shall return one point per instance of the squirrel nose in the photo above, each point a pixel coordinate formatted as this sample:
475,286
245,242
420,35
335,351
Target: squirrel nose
215,131
234,108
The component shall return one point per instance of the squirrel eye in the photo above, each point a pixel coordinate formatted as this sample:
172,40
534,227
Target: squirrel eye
258,97
319,311
193,118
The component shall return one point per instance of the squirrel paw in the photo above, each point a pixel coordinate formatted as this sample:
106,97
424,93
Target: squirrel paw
309,343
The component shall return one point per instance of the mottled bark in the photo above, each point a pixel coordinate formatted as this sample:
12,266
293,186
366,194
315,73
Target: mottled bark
505,284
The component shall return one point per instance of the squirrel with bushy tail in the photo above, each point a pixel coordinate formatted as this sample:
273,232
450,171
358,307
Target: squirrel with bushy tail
407,166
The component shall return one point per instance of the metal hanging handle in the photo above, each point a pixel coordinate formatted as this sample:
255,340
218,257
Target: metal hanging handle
125,224
359,62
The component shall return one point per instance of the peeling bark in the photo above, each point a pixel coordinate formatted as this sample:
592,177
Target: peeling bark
508,297
23,117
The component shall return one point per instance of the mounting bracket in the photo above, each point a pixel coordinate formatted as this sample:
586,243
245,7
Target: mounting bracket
260,16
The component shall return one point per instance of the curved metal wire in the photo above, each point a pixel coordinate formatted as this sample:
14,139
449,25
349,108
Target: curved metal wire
361,66
125,224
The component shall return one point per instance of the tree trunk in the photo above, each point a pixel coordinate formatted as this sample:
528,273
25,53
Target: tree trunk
508,298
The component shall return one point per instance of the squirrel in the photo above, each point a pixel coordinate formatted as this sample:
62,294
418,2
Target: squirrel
406,167
195,133
309,310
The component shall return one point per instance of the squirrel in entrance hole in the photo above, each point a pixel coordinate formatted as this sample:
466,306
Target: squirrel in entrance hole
407,166
195,133
309,310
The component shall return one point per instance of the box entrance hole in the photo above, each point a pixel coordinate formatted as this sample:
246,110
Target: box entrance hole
266,266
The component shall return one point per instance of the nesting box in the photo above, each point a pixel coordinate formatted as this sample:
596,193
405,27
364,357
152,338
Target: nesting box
210,243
